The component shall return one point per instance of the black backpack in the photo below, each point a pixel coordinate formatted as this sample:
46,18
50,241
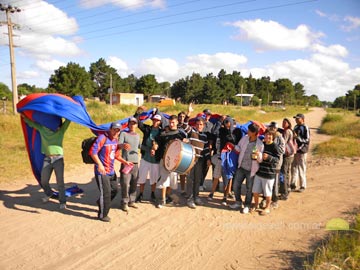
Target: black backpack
85,146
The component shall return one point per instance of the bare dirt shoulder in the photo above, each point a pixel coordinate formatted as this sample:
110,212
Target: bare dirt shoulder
39,236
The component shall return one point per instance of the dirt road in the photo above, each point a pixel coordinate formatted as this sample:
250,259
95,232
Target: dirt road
39,236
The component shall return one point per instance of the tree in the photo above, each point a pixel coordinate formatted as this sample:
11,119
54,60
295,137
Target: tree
147,85
25,89
5,92
164,88
178,89
299,93
71,80
284,90
103,74
129,83
211,91
194,89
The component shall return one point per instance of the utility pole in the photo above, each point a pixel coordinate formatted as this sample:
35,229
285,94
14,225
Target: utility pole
9,9
110,90
241,92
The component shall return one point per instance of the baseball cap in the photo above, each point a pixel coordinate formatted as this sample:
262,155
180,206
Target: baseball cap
115,125
156,117
207,111
299,115
273,124
133,119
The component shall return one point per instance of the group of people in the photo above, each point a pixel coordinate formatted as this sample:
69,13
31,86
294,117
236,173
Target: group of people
272,166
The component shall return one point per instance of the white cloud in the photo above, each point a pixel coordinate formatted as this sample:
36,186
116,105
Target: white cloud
49,66
120,66
326,76
352,23
38,44
333,50
165,69
43,18
271,35
128,4
206,63
331,17
28,74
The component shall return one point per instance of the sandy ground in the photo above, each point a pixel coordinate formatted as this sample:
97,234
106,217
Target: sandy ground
39,236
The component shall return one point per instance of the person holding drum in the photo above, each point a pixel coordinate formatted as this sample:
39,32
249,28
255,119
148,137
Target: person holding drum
183,119
168,178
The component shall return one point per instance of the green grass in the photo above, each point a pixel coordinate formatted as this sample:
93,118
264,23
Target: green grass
342,248
345,127
340,251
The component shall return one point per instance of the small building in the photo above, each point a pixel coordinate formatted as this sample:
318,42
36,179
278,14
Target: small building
246,98
128,99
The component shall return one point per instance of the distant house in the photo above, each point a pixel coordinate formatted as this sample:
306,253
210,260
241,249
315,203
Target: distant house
246,98
128,99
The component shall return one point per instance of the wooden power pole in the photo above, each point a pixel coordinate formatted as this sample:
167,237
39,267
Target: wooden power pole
9,9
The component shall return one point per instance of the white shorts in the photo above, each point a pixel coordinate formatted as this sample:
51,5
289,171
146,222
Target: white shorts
216,161
147,168
167,179
263,186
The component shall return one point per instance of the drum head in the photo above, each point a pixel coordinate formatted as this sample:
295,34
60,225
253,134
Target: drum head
173,155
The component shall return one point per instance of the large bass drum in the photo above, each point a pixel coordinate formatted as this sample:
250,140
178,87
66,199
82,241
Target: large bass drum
179,157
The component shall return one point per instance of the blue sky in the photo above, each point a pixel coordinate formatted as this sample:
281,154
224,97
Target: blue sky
311,42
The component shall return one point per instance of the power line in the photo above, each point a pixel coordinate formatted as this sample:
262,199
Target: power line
173,15
200,18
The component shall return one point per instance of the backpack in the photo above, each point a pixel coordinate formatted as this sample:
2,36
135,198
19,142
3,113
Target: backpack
85,146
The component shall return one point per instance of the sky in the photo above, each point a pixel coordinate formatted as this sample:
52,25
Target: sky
314,42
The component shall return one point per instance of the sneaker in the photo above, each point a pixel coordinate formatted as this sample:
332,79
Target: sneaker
236,205
168,200
133,205
283,197
223,201
160,205
125,207
292,187
274,205
198,201
105,219
139,198
191,204
210,197
62,206
153,197
245,210
302,189
201,188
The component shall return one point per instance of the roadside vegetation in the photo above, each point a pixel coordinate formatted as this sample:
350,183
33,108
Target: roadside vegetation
344,126
341,249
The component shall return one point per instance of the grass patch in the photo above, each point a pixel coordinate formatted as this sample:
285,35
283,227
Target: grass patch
345,127
338,147
340,251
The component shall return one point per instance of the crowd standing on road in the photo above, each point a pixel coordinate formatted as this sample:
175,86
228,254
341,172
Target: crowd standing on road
262,166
